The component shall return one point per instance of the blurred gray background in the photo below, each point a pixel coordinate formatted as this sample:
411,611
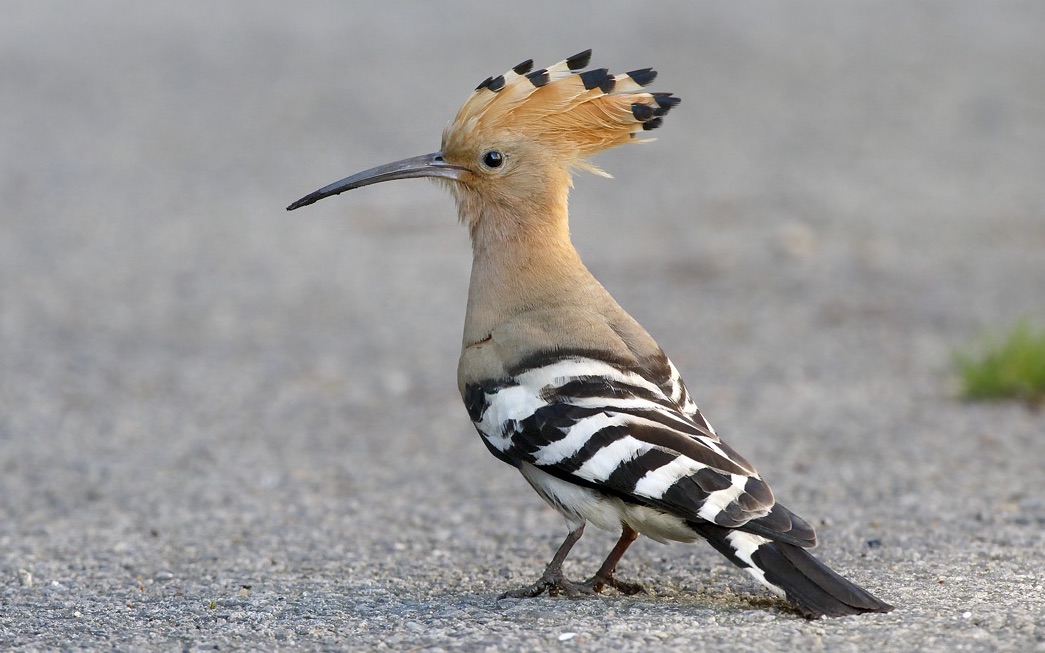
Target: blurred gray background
226,426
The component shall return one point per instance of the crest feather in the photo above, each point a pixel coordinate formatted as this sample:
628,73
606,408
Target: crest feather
579,111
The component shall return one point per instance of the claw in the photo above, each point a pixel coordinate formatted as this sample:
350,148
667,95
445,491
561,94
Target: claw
623,586
554,584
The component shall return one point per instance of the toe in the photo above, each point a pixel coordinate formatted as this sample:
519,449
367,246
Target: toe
626,587
598,583
528,592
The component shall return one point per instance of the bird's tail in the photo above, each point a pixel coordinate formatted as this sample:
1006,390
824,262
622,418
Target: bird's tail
791,572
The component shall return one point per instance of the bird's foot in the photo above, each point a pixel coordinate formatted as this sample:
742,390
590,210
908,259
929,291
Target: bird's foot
599,582
554,584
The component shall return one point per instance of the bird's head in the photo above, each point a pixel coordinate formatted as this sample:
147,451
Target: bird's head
511,148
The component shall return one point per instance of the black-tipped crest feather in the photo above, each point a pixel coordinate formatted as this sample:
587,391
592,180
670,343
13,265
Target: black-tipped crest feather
539,77
643,76
496,84
594,78
524,67
577,112
579,60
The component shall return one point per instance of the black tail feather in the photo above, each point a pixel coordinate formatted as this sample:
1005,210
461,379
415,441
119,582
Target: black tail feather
810,585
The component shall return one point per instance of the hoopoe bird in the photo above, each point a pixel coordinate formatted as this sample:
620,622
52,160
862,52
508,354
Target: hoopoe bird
558,379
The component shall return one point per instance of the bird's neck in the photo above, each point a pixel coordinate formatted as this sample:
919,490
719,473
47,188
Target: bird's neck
518,268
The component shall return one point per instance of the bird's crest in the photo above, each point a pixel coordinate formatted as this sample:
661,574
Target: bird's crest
577,112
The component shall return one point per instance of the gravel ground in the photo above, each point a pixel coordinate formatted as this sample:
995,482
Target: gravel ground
223,426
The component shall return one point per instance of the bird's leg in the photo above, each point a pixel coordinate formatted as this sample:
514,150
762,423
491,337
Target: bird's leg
553,580
604,576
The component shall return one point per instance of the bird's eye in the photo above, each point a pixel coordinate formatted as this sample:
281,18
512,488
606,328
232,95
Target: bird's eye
493,159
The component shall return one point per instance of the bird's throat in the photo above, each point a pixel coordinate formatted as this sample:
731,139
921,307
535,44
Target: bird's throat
513,275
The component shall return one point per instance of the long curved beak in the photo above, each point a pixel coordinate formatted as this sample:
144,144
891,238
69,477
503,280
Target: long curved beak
426,165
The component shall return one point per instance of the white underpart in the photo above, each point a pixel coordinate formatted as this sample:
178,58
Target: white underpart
658,525
745,544
576,437
577,504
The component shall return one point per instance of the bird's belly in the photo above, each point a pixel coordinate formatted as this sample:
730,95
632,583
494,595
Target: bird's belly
576,503
657,525
579,504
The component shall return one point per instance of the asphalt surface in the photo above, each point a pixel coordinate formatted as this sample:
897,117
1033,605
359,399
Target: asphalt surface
223,426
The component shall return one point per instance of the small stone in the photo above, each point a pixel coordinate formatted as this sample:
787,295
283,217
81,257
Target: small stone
797,241
966,615
565,637
25,578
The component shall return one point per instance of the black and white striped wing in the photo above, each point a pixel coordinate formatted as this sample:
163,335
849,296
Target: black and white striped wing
675,388
603,426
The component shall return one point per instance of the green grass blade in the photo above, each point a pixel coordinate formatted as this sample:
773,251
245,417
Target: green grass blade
1008,367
